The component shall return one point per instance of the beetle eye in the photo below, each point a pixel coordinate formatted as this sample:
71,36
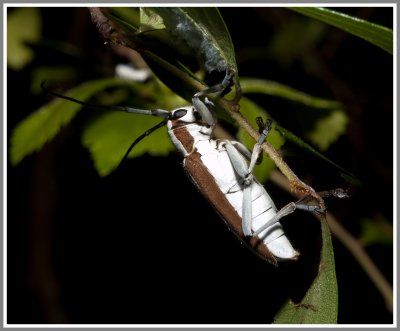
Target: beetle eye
179,113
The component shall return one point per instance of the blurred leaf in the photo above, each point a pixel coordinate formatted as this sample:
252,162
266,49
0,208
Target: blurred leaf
286,45
254,85
51,75
251,110
128,16
42,125
109,137
376,231
328,129
23,25
320,304
374,33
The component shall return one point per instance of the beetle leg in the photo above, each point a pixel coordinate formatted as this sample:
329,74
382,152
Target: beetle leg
257,147
240,166
243,150
203,107
288,209
247,211
236,151
303,204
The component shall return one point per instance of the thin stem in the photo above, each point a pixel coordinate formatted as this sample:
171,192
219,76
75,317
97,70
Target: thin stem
295,183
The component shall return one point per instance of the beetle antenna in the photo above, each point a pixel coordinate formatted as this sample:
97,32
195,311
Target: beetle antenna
155,112
143,135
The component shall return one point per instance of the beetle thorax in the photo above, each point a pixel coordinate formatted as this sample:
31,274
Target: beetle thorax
186,130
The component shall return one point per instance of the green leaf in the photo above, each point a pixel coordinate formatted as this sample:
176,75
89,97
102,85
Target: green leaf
51,75
204,30
374,33
286,45
254,85
251,110
23,25
328,129
41,126
109,137
320,303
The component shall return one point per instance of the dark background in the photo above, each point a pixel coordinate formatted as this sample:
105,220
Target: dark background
142,245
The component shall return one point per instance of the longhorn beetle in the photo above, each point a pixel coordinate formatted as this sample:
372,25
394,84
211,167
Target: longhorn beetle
220,170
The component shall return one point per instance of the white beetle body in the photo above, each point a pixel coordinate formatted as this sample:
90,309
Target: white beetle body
221,173
207,162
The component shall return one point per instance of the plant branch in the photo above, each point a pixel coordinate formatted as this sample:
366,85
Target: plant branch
296,184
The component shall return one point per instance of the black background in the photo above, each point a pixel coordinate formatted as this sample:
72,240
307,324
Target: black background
143,246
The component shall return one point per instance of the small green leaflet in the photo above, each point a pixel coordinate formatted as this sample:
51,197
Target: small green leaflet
328,129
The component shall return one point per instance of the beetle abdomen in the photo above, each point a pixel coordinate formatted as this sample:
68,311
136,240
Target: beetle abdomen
204,181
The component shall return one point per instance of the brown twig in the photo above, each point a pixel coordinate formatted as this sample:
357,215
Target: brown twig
296,184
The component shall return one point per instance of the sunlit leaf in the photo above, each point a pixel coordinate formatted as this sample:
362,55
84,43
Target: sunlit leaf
328,129
374,33
42,125
109,137
23,25
320,304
